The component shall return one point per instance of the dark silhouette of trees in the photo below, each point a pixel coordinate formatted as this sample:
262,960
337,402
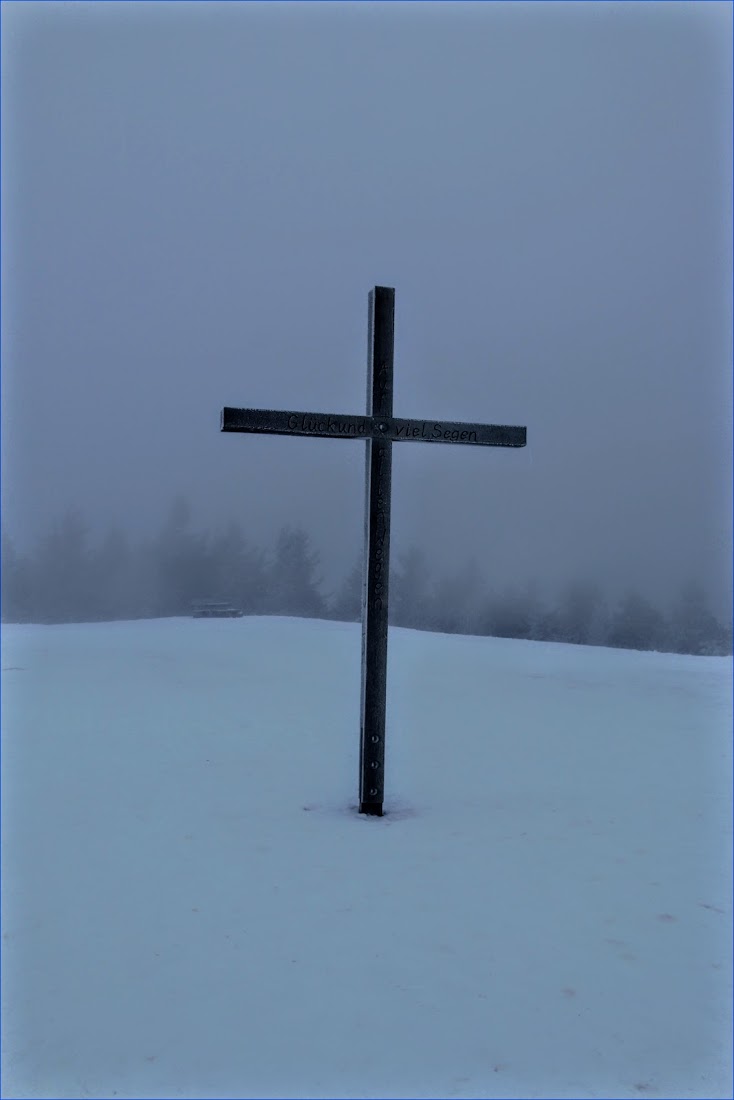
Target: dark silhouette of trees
64,578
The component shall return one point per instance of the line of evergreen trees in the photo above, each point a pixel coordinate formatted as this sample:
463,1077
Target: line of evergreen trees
67,578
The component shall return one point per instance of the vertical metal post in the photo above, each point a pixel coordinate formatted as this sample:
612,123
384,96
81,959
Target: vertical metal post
378,477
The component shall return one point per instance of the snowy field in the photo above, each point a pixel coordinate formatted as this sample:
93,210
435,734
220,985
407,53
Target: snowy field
193,908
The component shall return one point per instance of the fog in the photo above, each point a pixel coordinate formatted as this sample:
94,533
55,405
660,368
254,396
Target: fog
198,198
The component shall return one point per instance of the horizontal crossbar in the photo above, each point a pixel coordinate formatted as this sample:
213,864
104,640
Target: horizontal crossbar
394,429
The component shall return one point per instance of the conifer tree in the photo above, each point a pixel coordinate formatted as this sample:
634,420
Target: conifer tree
17,589
636,624
410,591
693,629
294,585
347,604
181,566
61,571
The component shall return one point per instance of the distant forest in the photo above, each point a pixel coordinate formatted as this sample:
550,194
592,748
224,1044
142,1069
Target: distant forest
67,578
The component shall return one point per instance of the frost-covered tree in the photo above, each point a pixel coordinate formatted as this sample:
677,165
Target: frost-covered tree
238,571
410,591
580,615
457,601
693,628
62,591
17,584
512,614
294,585
636,624
113,578
181,566
347,603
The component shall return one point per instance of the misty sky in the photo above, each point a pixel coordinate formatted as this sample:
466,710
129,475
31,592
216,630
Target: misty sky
197,199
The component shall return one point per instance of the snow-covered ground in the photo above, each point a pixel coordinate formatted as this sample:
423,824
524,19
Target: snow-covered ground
193,908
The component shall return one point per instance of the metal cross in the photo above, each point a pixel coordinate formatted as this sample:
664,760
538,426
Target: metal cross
380,429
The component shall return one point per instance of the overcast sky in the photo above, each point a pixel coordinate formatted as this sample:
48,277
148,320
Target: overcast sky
197,199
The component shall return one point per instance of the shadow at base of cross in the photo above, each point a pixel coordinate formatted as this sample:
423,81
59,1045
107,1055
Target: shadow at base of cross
392,811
